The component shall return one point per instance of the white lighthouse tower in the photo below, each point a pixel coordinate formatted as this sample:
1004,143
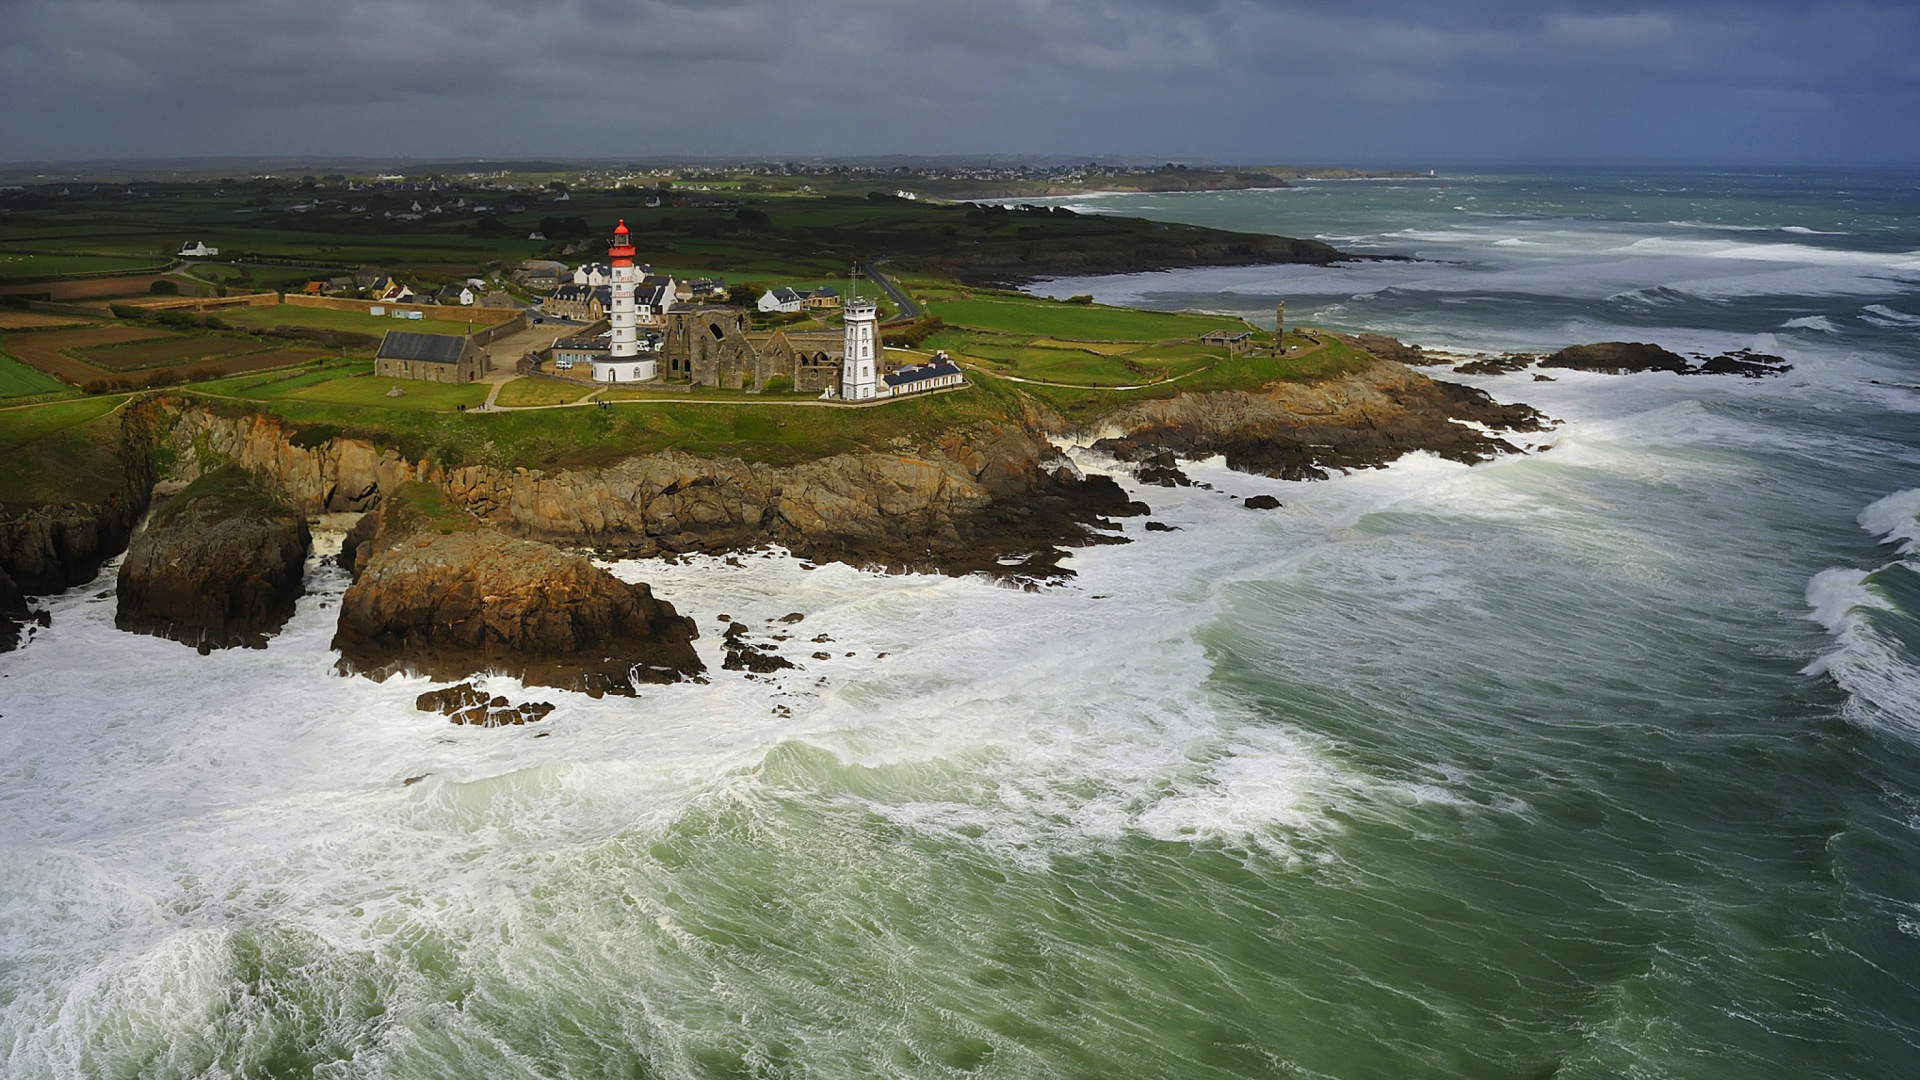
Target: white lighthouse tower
623,362
857,370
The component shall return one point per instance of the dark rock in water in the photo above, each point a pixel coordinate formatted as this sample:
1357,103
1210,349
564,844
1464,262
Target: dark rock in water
1154,526
1544,378
1262,502
792,617
440,596
357,538
1497,365
1152,464
744,655
1744,363
219,566
1618,358
468,704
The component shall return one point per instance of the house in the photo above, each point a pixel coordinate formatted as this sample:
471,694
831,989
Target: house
454,295
539,275
568,352
650,304
197,250
499,298
337,286
677,291
315,288
537,235
446,358
1236,342
706,288
368,277
782,301
936,373
581,303
823,297
595,274
394,292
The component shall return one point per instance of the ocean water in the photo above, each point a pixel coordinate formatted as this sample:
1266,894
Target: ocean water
1599,761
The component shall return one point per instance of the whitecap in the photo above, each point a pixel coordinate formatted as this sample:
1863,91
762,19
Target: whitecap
1895,519
1811,322
1887,318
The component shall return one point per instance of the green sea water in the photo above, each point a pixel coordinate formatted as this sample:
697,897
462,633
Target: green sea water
1601,760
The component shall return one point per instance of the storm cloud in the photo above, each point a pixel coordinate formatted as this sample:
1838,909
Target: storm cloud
1365,82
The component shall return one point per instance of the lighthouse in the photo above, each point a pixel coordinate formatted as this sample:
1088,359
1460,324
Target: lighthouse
623,362
857,370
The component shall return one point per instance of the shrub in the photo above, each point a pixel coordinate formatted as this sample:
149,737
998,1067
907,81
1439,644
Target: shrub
753,218
162,378
912,335
1082,299
213,322
164,287
177,318
203,373
95,386
126,311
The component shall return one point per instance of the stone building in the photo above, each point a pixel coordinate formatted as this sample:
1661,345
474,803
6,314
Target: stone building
446,358
709,346
810,360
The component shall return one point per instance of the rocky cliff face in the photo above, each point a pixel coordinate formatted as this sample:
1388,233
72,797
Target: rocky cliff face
1297,431
959,505
219,566
50,549
437,594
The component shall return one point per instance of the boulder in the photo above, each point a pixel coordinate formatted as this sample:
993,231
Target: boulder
219,566
1618,358
436,594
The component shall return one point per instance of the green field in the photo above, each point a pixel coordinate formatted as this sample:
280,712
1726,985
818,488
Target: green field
1089,322
19,380
19,427
329,319
33,266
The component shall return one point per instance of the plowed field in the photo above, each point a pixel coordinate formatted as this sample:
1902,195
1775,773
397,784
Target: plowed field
34,320
149,354
42,350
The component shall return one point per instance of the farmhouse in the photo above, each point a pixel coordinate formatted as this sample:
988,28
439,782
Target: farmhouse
823,297
454,295
197,250
447,358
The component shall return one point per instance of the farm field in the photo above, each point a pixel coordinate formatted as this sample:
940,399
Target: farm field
19,380
34,320
106,288
21,265
62,452
147,354
328,319
415,395
43,349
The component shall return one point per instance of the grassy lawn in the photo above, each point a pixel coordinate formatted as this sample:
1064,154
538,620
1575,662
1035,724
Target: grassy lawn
1077,321
326,319
78,462
19,380
416,395
19,427
524,392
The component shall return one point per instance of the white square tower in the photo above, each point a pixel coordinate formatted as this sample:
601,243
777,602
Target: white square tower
857,371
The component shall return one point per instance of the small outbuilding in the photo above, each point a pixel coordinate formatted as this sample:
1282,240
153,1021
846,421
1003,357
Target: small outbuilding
1237,342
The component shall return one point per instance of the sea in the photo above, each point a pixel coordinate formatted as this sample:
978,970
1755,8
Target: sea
1599,760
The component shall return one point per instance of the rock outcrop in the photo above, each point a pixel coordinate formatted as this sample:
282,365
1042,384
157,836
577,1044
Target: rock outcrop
435,593
219,566
1297,431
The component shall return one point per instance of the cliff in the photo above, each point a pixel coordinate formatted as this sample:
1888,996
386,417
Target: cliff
219,566
437,594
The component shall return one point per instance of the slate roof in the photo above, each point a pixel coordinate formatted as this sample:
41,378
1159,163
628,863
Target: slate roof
431,348
933,369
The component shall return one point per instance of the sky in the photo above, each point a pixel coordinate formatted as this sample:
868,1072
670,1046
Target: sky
1372,83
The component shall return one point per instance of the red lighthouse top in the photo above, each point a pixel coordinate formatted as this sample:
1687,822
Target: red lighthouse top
622,250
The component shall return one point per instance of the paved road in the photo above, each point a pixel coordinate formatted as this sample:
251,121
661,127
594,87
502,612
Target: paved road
909,311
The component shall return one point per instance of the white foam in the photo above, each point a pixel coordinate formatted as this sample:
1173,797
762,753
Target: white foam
1888,319
1895,519
1811,322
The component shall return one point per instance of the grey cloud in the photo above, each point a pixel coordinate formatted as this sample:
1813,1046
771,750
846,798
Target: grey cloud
1372,80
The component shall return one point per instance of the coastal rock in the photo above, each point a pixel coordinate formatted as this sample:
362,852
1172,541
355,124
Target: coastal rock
1261,502
217,567
468,704
439,595
1618,358
1297,431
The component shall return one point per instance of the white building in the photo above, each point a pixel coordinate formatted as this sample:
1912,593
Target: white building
862,352
623,362
197,250
937,373
593,274
782,301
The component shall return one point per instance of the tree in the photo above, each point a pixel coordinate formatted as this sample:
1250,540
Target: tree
753,218
163,287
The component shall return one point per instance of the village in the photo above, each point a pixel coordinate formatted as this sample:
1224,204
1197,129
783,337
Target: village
617,323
